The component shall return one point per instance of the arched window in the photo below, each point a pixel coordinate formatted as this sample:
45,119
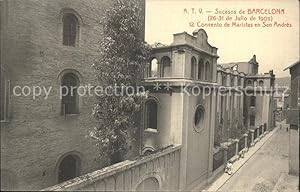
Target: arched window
153,69
151,114
239,81
261,83
165,67
69,85
69,168
200,69
252,101
207,71
70,29
193,68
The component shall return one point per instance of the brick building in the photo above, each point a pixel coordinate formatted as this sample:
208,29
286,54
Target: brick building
47,43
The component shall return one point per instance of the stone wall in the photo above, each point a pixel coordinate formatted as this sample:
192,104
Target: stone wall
131,175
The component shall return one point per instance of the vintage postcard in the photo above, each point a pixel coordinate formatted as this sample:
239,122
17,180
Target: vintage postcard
150,95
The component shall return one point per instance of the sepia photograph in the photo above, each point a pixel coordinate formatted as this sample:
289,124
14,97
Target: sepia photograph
150,95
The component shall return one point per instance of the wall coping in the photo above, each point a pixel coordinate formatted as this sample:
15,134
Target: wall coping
105,172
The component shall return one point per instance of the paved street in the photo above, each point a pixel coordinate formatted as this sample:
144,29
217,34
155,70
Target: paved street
265,169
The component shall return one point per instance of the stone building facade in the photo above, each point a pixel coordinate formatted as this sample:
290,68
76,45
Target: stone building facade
293,118
199,104
185,104
47,43
254,94
180,119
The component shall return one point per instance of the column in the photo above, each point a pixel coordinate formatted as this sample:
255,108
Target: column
237,147
261,131
257,133
245,137
252,137
225,154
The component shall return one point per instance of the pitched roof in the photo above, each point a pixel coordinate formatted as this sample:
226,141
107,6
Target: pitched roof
297,63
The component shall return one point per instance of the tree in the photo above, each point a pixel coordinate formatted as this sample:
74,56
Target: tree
123,55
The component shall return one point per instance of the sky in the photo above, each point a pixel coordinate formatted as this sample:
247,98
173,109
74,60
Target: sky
275,47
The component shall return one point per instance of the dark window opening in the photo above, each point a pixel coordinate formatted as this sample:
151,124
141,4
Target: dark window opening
252,120
69,94
207,71
224,79
252,101
165,65
151,114
200,69
70,29
69,168
193,68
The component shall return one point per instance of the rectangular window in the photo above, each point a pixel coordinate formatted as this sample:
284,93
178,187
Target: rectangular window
252,101
151,114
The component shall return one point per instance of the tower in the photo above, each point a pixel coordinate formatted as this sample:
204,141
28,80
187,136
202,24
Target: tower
181,78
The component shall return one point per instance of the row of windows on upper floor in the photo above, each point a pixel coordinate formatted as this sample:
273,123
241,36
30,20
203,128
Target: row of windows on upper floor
249,82
199,70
